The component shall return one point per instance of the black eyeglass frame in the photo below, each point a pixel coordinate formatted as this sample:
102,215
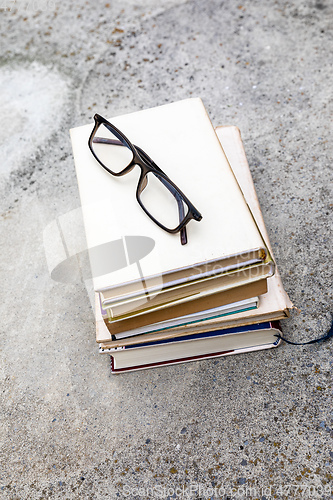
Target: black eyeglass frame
147,165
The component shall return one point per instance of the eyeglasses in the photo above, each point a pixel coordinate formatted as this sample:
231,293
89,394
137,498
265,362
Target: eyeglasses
157,195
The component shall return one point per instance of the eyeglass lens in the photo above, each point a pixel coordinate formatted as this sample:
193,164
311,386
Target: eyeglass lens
161,200
108,149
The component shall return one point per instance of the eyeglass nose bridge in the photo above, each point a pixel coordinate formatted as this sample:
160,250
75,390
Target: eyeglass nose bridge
143,181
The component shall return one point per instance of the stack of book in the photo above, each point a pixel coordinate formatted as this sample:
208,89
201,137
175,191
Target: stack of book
159,302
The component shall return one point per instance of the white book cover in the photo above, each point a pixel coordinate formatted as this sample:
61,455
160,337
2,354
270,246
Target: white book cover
181,140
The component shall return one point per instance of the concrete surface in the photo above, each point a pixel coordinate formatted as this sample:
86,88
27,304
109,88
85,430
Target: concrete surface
263,420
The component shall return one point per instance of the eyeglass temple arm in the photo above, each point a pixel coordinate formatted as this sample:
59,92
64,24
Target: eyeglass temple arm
115,142
104,140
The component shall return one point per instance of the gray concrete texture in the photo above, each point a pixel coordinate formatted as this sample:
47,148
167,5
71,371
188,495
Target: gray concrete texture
262,420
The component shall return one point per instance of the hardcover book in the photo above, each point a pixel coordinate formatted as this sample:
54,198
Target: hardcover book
193,319
180,309
273,305
182,142
194,347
